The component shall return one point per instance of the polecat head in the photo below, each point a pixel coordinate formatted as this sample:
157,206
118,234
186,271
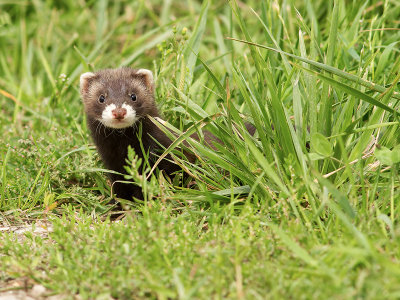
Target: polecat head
118,97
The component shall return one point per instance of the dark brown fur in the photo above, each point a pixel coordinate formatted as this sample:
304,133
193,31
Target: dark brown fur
112,144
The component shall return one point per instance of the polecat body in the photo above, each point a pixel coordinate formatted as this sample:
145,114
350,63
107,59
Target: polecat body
117,103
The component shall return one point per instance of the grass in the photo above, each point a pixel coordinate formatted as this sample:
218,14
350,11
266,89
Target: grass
307,208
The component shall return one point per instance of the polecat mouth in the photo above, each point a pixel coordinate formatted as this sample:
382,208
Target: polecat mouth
118,117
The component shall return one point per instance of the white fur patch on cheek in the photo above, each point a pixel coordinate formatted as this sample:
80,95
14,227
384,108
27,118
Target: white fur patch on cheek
130,114
107,115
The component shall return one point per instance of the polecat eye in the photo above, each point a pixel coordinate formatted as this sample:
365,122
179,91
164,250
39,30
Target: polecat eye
102,99
133,97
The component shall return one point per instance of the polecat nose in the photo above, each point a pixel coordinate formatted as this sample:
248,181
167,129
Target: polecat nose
119,113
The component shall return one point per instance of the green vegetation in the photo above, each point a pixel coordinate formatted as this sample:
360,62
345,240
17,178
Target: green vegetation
307,208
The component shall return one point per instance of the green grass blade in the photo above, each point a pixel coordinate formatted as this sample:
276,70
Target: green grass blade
352,91
190,53
327,68
326,104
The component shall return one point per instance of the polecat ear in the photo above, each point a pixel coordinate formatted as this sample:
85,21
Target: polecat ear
148,78
85,80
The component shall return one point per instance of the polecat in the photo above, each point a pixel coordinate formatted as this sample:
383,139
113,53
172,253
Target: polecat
117,102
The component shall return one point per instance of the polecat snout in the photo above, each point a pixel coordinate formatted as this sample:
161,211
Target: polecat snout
117,102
